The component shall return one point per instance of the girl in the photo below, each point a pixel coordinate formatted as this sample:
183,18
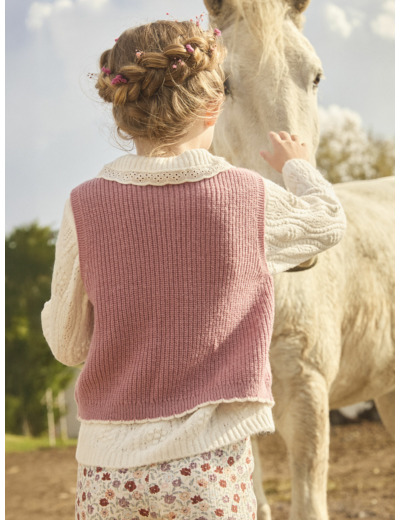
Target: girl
163,287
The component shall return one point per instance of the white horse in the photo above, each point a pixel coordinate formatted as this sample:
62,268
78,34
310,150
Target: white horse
333,342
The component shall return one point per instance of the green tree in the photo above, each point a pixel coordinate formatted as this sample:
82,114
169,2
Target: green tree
30,365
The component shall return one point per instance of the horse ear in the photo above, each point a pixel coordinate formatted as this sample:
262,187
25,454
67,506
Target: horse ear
299,5
221,10
214,7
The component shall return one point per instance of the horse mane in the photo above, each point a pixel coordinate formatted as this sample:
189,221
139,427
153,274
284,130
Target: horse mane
264,19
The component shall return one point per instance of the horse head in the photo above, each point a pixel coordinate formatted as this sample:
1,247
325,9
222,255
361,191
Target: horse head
272,74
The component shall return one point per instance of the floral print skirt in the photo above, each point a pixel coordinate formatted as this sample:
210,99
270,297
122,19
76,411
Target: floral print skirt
215,484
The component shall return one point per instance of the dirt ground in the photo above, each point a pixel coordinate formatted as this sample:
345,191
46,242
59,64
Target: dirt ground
41,485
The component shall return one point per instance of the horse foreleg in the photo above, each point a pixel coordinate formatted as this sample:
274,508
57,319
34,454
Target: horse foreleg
304,424
386,408
263,509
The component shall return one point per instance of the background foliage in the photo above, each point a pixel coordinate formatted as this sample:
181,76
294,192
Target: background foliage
347,152
30,365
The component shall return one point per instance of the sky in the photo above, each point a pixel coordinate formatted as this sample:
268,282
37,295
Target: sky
59,134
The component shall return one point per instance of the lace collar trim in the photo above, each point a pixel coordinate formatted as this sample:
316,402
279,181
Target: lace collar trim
190,166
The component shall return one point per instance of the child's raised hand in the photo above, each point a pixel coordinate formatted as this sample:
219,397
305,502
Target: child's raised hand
284,147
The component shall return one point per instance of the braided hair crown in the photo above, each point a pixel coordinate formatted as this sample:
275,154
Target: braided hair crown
160,76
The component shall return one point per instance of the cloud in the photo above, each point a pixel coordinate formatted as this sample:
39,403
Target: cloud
383,24
94,4
40,12
340,22
356,16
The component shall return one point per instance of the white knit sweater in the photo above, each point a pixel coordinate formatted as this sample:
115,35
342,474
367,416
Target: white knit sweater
300,223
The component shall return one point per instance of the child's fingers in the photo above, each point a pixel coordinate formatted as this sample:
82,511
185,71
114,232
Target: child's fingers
284,135
266,155
275,137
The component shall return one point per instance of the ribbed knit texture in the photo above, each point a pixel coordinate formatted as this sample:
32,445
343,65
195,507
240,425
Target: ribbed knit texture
183,301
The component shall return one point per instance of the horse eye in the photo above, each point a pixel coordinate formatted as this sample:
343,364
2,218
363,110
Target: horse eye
317,80
227,89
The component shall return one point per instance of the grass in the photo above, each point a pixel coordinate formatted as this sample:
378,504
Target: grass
277,490
16,443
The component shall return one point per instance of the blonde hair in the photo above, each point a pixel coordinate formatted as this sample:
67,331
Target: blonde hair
160,78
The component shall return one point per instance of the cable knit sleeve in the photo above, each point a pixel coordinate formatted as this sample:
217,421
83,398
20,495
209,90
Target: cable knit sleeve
67,318
303,220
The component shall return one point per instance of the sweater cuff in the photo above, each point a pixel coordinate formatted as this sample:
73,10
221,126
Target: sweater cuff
299,176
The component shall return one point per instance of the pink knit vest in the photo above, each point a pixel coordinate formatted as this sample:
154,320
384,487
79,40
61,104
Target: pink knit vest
183,301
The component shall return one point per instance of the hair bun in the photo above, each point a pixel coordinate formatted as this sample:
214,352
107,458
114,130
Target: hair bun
161,76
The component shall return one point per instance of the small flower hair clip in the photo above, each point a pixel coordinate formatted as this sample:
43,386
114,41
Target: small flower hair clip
106,71
176,63
217,32
199,19
118,79
139,54
189,48
171,17
116,39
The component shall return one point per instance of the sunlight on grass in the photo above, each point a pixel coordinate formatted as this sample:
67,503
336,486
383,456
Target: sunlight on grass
14,443
277,490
